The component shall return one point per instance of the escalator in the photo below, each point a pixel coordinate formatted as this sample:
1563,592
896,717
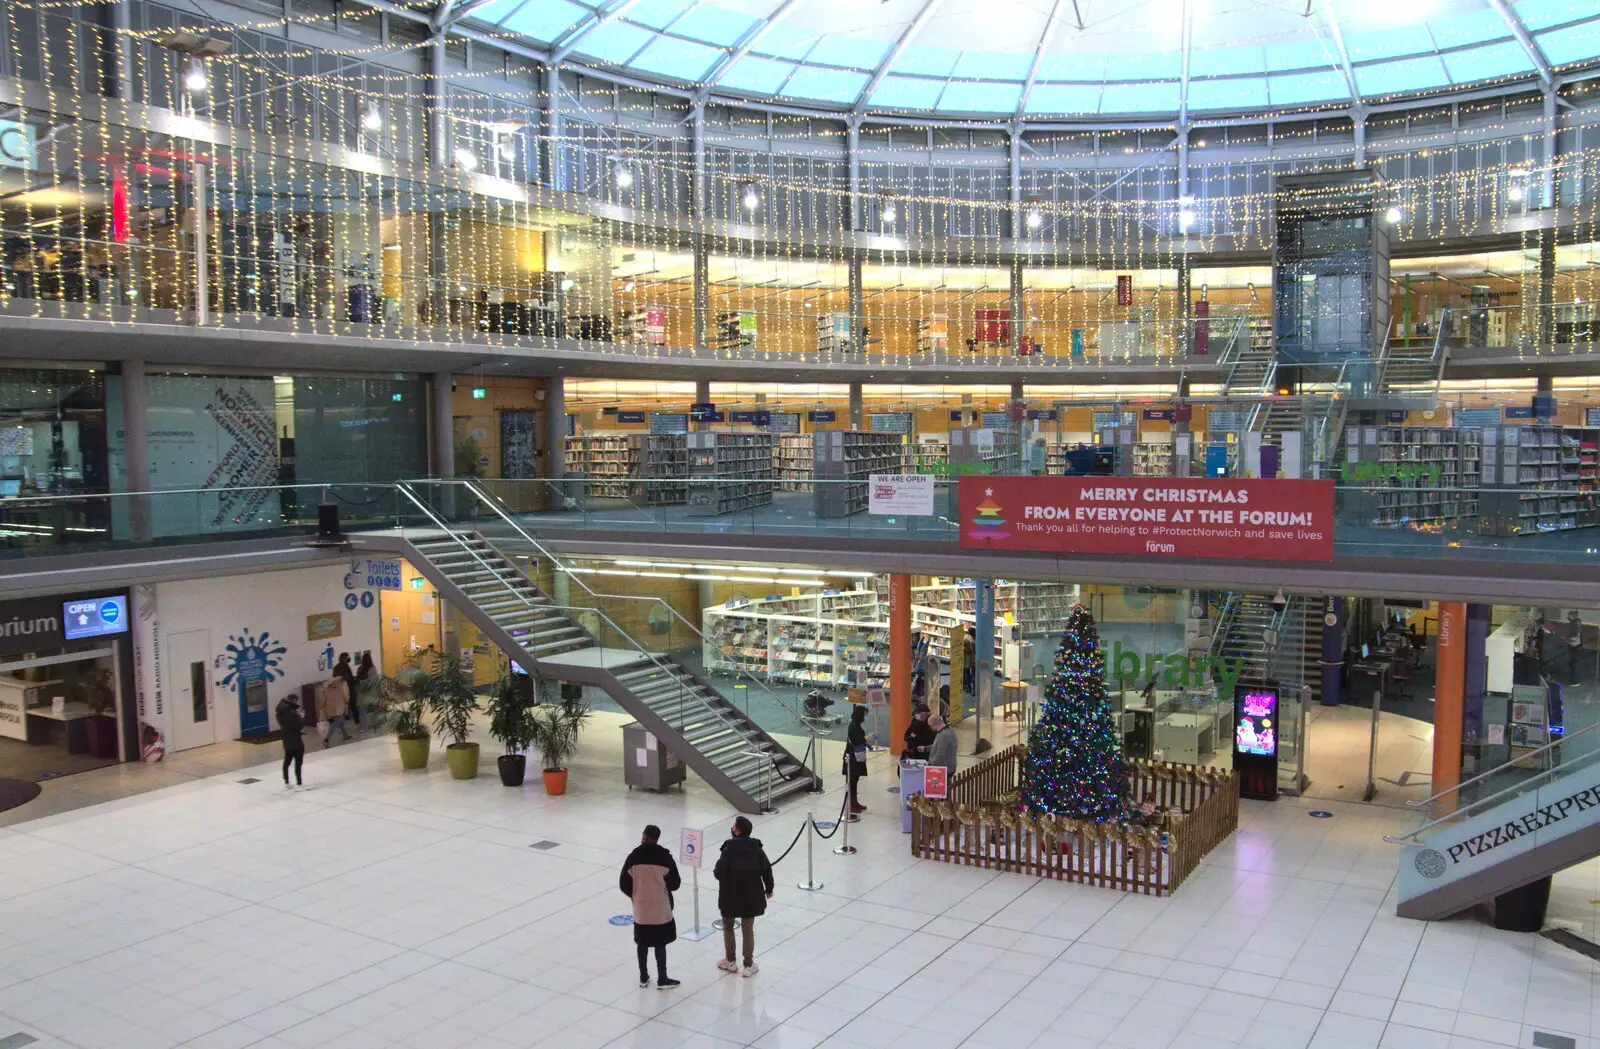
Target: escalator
1528,823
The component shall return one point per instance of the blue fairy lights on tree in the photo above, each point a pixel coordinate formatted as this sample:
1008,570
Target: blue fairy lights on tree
1074,766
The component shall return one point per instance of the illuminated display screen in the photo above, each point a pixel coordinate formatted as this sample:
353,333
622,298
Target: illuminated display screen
1256,722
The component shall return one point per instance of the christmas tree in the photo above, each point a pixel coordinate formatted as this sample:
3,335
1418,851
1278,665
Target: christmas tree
1074,765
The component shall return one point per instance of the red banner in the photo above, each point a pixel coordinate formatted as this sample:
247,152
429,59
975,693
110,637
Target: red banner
1124,289
1255,520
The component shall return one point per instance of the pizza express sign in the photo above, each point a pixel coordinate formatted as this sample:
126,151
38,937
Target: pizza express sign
1544,821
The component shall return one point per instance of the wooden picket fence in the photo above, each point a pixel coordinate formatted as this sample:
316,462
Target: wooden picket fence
982,824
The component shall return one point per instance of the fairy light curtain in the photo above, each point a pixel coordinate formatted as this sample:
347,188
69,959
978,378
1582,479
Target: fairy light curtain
489,249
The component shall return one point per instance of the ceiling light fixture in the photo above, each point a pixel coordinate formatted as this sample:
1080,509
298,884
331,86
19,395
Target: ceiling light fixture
1394,215
623,176
466,159
195,80
752,197
371,119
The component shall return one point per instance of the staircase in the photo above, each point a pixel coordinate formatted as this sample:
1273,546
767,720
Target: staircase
691,718
1533,824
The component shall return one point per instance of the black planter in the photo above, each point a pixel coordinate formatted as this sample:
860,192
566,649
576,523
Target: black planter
513,767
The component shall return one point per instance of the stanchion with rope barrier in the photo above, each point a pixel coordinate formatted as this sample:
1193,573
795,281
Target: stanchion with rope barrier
811,884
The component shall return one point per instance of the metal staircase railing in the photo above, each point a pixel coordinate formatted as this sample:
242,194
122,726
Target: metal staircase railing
677,677
502,512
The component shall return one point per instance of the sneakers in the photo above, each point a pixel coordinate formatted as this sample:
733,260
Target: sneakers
287,785
750,970
644,981
728,965
858,808
668,983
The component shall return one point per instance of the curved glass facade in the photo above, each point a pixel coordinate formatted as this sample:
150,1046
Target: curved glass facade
1149,58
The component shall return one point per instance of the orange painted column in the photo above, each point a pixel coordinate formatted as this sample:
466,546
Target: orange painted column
1449,700
899,661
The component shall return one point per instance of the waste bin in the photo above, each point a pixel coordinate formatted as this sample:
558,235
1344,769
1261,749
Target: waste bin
646,763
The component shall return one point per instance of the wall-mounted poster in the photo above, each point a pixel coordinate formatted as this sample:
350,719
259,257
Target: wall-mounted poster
215,436
517,445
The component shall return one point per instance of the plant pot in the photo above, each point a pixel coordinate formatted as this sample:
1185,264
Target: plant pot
463,759
555,782
513,769
102,734
414,752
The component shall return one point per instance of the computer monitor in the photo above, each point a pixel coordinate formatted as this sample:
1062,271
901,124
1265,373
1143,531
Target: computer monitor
1366,652
10,489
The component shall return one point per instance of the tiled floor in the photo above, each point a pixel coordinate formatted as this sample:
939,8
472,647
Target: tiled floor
390,909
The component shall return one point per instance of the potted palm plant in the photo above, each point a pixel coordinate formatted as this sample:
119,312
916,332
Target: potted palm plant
555,731
511,724
447,691
393,701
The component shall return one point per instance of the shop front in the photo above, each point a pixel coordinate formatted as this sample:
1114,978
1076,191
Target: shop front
65,665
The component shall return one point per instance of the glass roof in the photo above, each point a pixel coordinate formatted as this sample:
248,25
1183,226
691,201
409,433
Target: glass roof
1061,58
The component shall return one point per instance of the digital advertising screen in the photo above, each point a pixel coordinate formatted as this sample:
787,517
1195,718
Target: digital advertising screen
1255,713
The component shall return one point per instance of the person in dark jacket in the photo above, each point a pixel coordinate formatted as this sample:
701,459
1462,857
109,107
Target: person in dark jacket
855,759
292,723
919,736
649,878
744,885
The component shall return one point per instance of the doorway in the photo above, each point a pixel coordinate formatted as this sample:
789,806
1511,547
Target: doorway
194,721
59,714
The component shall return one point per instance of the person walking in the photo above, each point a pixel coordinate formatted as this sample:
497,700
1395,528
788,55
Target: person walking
744,885
335,707
943,751
919,735
292,723
649,878
855,758
364,671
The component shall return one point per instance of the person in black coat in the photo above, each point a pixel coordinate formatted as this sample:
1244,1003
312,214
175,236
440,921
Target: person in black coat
919,736
649,878
292,723
855,757
744,885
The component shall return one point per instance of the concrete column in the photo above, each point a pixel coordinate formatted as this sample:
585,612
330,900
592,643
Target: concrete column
1358,123
554,172
697,138
1475,673
1449,701
1332,651
437,127
443,422
555,425
702,296
1550,150
118,56
858,322
1016,392
1185,305
858,416
438,278
135,446
1019,310
899,661
855,211
983,660
1016,230
702,395
200,242
1547,288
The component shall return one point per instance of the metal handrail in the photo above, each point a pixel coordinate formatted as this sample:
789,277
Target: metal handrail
495,504
1482,804
405,489
1502,767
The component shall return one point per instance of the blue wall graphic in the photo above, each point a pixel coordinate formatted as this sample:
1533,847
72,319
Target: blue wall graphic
253,662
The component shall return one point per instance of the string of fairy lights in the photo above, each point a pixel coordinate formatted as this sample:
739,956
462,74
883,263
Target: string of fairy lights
491,249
